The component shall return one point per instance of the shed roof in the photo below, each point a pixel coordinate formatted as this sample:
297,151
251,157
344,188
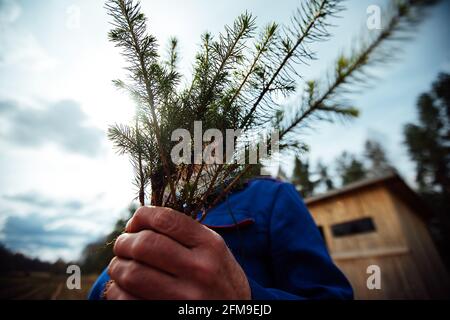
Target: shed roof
391,180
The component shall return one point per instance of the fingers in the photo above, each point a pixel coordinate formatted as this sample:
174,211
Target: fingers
143,281
114,292
169,222
153,249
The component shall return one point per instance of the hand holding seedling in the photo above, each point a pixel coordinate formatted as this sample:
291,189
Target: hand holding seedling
165,254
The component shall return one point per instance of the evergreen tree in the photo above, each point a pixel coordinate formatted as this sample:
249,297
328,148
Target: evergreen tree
376,156
301,178
238,78
350,168
428,142
324,178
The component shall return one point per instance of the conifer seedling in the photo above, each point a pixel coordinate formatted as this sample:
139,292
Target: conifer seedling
241,80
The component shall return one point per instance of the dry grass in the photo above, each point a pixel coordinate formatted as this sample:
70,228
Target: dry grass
42,286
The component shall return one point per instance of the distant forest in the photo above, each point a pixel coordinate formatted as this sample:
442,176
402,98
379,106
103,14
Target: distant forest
19,263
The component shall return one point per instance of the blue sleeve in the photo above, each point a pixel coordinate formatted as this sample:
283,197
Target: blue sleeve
301,265
98,287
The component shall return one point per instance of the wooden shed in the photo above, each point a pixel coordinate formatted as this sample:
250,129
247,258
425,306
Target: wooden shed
382,222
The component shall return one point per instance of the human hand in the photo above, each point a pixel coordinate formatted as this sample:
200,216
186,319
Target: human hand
164,254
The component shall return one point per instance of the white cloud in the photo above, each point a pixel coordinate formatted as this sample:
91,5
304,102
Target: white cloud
23,51
18,47
61,123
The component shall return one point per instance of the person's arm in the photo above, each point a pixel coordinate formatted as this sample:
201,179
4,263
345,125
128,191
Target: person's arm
98,287
302,267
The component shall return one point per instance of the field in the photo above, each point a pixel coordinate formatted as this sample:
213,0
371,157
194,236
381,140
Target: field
42,286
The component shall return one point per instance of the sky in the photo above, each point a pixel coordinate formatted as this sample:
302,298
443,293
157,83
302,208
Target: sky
61,183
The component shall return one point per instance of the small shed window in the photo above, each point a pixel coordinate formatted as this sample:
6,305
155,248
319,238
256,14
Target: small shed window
353,227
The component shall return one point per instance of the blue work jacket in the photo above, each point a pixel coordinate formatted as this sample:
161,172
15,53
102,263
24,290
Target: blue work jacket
277,243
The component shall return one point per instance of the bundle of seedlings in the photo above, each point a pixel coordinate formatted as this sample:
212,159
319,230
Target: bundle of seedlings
237,95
